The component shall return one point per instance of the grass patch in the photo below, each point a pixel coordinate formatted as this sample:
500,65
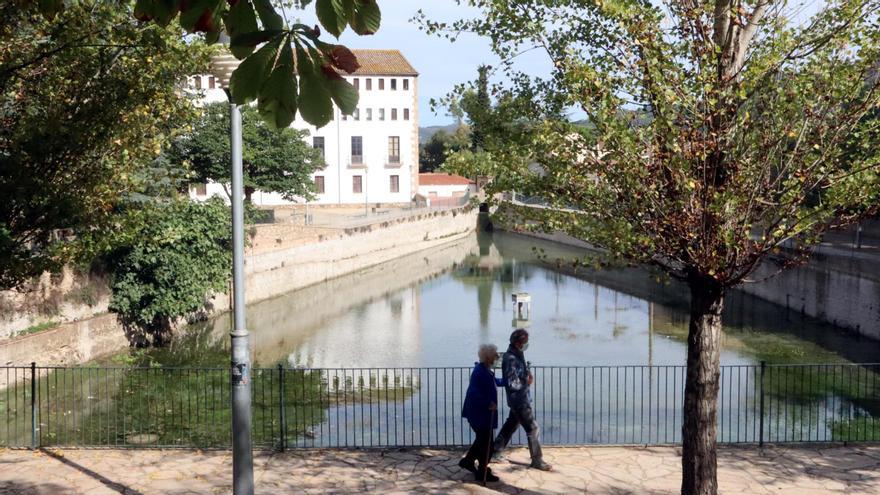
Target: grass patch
36,328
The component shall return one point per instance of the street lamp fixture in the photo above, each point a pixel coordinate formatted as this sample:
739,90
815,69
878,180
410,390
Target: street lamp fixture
222,67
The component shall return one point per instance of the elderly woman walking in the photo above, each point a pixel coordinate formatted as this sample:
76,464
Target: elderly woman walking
481,410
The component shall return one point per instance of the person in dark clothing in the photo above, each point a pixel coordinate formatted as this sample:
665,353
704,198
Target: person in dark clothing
480,408
518,379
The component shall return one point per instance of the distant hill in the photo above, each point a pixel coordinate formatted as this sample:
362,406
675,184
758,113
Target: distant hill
425,133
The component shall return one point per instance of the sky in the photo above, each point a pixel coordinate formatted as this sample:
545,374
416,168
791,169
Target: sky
440,63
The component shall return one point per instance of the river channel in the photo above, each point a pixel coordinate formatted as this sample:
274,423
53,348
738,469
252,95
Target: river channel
382,357
434,308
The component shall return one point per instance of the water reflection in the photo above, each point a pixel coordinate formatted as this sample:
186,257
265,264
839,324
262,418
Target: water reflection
435,307
432,309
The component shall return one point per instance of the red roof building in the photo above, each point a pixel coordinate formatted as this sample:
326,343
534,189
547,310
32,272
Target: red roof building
440,179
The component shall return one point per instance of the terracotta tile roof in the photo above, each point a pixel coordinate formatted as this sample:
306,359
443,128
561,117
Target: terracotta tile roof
382,63
442,180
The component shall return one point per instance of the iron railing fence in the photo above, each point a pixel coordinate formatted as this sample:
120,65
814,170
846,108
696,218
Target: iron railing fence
401,407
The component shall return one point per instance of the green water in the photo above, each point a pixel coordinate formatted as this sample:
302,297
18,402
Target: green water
374,333
434,308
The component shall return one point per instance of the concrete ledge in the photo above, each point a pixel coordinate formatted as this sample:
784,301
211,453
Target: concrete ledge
269,273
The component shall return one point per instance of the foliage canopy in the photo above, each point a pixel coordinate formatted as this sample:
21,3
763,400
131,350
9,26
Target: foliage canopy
87,99
758,135
274,160
181,253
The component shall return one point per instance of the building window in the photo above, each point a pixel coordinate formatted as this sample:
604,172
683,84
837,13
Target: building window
393,114
357,149
357,83
198,81
381,114
406,114
395,183
212,82
319,184
394,149
318,144
393,84
369,114
201,189
405,84
381,83
357,114
369,83
357,184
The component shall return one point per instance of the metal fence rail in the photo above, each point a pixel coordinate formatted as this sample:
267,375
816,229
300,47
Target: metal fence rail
398,407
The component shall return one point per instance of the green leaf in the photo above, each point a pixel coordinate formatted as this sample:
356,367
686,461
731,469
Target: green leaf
243,44
314,96
367,17
201,15
246,81
50,8
144,10
344,95
212,37
331,13
162,11
277,101
268,16
314,100
241,20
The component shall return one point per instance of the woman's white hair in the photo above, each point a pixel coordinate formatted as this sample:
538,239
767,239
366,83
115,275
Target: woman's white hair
487,353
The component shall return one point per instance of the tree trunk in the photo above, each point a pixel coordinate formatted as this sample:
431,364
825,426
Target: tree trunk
248,193
701,388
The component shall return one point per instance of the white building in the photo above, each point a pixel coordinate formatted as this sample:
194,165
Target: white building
373,155
440,187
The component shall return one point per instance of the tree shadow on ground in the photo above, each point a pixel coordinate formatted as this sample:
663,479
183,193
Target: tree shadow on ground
857,467
417,470
26,487
117,487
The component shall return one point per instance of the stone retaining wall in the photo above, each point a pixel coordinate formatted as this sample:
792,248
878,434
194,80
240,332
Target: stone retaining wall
272,267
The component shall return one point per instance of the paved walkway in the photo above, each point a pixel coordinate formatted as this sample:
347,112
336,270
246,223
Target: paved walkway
601,470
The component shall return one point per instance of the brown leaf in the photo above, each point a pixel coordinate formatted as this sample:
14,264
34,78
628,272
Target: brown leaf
206,21
343,58
330,73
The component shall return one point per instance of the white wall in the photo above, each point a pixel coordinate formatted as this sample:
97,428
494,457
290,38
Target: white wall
376,171
447,190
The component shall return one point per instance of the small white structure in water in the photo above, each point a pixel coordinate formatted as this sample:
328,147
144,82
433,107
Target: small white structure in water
522,309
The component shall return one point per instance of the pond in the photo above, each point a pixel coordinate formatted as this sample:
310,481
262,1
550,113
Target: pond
382,357
434,308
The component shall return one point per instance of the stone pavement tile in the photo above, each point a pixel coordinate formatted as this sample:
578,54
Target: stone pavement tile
605,470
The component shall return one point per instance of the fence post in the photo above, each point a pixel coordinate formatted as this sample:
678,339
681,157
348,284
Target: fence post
283,419
761,416
33,405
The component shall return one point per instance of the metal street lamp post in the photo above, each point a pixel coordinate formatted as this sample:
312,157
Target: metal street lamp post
242,453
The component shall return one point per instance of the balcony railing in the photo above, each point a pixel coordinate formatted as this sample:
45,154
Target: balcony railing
356,161
393,161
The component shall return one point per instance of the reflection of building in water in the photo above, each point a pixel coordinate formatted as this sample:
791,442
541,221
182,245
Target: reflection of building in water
360,319
479,267
378,331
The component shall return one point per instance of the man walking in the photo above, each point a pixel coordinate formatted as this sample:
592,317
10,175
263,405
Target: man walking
518,377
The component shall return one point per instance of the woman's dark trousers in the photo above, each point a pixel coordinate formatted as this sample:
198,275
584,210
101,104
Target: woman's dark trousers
482,444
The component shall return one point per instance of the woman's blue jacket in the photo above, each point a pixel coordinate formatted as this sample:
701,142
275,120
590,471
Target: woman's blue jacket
481,393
